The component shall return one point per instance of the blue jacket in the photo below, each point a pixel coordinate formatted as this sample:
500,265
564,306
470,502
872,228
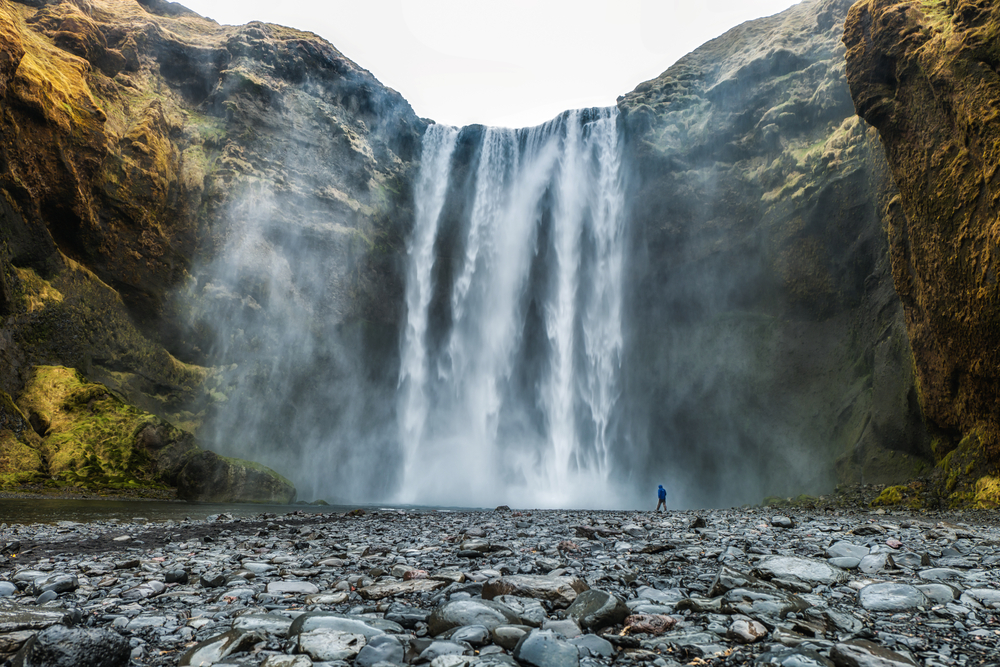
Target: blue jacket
661,493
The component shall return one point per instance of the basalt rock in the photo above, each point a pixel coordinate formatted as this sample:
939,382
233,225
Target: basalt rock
758,276
925,75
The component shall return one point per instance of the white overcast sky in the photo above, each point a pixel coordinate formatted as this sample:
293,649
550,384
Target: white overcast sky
512,63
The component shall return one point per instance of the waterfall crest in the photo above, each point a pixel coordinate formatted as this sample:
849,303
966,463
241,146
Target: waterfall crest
511,351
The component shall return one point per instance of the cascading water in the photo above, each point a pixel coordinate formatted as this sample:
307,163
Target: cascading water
511,351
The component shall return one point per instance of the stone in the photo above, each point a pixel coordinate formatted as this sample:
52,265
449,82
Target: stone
323,620
782,522
781,656
746,631
16,618
938,593
845,549
57,583
60,646
863,653
653,624
441,648
457,613
325,644
988,597
214,649
872,563
595,609
541,648
593,645
7,589
392,588
529,611
565,627
939,574
560,591
292,588
475,635
844,562
807,570
274,624
382,648
891,597
507,636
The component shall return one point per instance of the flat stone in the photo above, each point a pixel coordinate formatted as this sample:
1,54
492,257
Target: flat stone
292,588
891,597
560,591
594,645
324,620
328,598
15,618
476,635
440,648
988,597
213,650
781,656
393,588
863,653
507,636
564,627
807,570
57,583
457,613
872,563
846,549
528,610
746,631
327,645
273,624
844,562
938,593
939,574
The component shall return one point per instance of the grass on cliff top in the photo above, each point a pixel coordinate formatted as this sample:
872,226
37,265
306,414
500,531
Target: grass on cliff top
91,435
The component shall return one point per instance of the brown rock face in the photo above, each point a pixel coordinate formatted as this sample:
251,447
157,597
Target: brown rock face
927,75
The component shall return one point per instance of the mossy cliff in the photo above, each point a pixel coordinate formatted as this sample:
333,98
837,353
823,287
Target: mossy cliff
926,74
136,137
768,353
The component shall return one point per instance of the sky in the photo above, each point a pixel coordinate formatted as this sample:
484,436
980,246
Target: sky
514,63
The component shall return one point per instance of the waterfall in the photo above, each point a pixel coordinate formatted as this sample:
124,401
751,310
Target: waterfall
511,350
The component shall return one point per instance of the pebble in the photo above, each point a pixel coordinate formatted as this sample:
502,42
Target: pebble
579,588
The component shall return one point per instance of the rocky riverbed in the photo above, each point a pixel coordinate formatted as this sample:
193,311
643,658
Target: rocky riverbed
542,588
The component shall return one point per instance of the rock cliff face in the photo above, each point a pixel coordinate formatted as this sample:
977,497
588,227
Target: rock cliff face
136,139
926,73
768,351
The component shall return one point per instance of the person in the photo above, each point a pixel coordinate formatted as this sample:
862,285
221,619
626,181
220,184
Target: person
661,493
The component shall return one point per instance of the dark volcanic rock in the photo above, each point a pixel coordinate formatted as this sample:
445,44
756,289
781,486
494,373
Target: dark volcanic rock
758,267
59,646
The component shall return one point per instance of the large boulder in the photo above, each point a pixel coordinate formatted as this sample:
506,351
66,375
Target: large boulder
208,477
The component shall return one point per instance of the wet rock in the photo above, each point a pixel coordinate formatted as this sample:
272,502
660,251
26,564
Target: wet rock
652,624
292,588
560,591
274,624
321,620
17,618
891,597
563,627
441,648
595,609
474,635
216,648
382,648
60,646
781,656
541,648
806,570
324,644
746,631
457,613
393,589
406,617
845,549
529,611
987,597
782,522
507,636
593,645
863,653
938,593
57,583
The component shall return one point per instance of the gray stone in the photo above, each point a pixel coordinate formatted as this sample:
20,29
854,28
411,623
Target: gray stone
593,645
781,656
891,597
57,583
529,611
273,624
325,644
439,648
938,593
863,653
476,635
320,620
846,549
939,574
595,609
456,613
988,597
560,591
565,627
292,588
756,603
394,588
16,618
542,648
746,631
844,562
872,563
213,650
383,648
507,636
807,570
7,589
60,646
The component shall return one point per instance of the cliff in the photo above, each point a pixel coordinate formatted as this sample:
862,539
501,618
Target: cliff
768,352
136,138
926,74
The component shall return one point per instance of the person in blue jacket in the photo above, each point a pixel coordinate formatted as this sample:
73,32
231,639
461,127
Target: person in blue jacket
661,493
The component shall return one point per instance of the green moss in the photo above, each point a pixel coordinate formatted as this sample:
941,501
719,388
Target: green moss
92,435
